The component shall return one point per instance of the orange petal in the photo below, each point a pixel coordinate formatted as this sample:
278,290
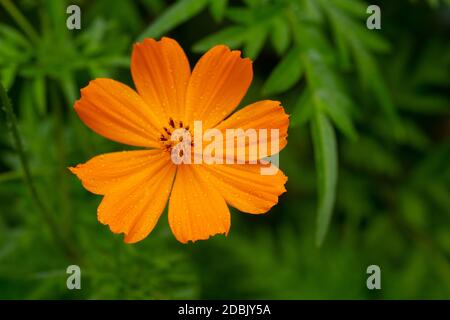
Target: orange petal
134,205
196,210
116,112
244,187
161,72
218,83
101,173
266,114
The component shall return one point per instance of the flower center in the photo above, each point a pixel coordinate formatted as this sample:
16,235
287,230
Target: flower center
176,128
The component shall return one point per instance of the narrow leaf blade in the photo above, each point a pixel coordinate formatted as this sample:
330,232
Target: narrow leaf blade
232,36
178,13
218,8
286,74
325,150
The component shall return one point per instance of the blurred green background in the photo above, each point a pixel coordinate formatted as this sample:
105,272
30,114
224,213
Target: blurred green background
368,151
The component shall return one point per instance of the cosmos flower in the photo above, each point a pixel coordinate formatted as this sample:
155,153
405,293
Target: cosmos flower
137,184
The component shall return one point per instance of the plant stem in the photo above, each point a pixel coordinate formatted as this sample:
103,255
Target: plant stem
46,213
20,20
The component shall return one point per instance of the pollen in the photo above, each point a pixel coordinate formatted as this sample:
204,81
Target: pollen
166,137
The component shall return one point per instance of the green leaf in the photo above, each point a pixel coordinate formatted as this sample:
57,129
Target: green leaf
314,43
40,94
178,13
56,11
325,152
240,15
256,37
372,156
11,34
340,37
286,74
422,103
371,39
280,35
356,8
303,110
337,105
11,52
91,40
218,8
307,10
8,75
232,37
68,87
328,93
127,12
372,79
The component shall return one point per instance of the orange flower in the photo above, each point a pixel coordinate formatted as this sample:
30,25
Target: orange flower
136,184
